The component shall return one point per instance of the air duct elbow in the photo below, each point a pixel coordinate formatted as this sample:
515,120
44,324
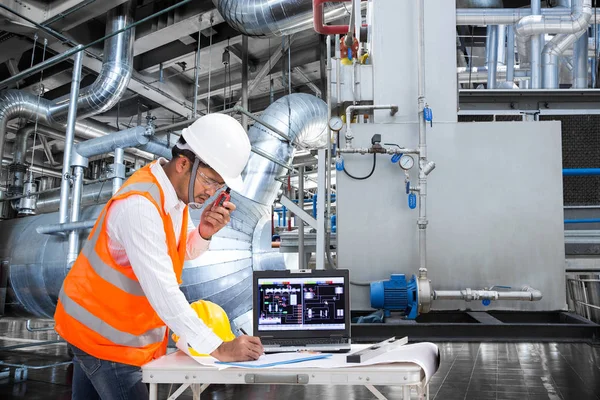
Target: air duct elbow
538,24
273,17
114,76
303,119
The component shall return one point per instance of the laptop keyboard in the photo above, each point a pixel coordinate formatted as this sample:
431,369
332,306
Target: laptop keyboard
302,342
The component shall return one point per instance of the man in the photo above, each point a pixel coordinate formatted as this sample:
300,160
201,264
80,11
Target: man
123,292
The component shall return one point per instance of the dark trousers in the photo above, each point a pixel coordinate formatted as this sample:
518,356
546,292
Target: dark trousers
96,379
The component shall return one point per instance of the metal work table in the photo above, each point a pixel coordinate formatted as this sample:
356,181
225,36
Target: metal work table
178,368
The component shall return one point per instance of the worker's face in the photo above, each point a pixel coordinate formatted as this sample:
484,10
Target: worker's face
207,181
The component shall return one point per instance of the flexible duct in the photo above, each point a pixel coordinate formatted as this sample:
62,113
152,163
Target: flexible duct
102,95
223,274
273,17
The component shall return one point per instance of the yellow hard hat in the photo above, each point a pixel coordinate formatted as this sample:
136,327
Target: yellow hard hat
215,318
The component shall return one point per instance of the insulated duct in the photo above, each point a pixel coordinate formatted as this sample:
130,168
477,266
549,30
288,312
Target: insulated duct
37,263
531,25
102,95
274,17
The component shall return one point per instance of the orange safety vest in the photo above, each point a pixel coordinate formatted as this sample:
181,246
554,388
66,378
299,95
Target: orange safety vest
102,308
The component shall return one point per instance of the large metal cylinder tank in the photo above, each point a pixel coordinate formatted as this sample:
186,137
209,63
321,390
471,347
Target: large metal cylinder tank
37,263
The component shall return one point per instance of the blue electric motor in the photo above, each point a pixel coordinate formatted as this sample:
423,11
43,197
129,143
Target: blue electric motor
396,295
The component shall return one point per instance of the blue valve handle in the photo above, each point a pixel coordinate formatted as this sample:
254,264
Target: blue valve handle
412,201
428,115
339,164
486,302
396,158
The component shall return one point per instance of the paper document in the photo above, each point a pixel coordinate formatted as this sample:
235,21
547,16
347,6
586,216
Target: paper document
426,355
274,360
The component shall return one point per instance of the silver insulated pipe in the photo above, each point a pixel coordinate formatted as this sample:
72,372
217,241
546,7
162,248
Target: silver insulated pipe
102,95
37,263
274,17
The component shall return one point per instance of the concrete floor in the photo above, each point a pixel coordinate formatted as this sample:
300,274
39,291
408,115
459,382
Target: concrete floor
468,371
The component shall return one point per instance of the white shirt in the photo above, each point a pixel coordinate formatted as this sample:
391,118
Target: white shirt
137,238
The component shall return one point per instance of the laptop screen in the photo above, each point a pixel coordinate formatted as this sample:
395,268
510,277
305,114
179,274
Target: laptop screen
301,303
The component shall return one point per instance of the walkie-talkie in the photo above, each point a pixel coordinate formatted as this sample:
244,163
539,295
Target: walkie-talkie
223,197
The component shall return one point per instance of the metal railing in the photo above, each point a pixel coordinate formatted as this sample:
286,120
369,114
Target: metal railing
583,295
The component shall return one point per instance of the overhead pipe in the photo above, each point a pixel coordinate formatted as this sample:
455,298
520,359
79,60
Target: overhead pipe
509,16
132,137
269,18
535,25
100,96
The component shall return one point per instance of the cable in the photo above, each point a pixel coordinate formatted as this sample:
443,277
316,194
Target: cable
370,173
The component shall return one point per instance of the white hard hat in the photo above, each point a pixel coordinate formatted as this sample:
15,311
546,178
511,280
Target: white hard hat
222,143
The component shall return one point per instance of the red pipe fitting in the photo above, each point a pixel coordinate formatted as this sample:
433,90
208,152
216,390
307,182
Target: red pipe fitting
318,23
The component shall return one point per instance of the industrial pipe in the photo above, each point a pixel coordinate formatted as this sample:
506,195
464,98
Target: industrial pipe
510,55
527,293
422,220
68,227
158,147
508,16
535,43
132,137
55,60
273,17
260,121
118,170
351,109
492,55
318,19
581,171
580,55
73,246
551,54
69,137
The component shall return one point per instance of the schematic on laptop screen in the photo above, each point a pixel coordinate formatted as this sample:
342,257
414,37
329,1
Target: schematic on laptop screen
311,303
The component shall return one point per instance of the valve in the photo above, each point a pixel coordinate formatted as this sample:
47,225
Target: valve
412,201
428,114
339,163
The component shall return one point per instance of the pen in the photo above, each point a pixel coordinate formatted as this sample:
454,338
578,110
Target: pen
243,331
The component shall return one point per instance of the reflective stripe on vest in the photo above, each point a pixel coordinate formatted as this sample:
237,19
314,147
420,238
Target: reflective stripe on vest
115,278
104,270
102,328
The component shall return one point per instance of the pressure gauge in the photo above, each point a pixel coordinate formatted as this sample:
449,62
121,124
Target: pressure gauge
406,162
336,124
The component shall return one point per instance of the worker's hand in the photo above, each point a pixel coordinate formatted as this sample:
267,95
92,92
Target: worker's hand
214,219
242,348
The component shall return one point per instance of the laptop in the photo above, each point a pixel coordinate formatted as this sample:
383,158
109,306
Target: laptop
302,310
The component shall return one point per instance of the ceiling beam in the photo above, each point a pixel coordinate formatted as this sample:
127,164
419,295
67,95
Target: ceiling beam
185,21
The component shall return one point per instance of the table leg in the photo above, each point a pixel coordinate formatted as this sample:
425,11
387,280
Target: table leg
376,392
198,389
406,395
153,391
